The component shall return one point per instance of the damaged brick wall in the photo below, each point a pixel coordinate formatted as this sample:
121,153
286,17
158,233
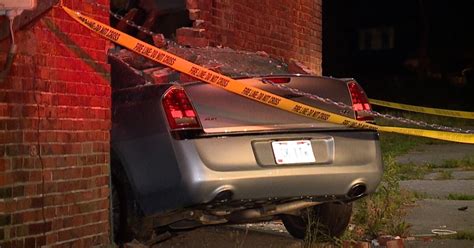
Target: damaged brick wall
291,30
54,134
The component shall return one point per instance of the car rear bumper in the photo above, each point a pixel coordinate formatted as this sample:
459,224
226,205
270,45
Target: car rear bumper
242,166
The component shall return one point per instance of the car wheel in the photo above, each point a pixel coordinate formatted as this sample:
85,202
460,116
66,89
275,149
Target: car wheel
322,222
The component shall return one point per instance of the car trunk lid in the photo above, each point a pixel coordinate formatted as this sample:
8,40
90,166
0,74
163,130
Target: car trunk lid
221,111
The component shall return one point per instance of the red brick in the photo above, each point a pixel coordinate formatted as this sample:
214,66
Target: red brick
303,43
74,107
39,228
159,40
159,76
397,243
192,41
194,14
192,4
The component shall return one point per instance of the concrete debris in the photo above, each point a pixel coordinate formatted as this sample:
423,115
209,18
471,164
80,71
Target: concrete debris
135,60
130,69
263,54
232,62
297,67
160,75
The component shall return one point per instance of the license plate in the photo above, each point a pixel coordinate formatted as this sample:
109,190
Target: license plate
293,152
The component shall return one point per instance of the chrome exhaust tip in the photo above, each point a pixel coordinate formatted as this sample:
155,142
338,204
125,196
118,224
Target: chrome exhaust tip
223,196
357,190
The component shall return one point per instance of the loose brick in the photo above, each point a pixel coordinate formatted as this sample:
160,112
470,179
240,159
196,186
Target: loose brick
190,32
161,75
159,40
397,243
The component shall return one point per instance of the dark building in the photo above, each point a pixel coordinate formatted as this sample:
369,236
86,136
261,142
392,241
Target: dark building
395,47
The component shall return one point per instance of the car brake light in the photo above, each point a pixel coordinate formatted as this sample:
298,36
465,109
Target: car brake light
360,102
279,80
179,111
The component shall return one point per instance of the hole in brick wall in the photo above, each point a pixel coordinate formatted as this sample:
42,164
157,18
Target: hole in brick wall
159,16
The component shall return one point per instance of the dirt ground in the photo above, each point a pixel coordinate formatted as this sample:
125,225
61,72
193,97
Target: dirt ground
270,235
231,237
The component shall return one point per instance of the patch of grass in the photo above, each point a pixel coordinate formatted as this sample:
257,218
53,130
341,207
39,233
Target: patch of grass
444,175
396,144
461,235
316,236
464,235
465,163
383,211
412,171
460,197
419,195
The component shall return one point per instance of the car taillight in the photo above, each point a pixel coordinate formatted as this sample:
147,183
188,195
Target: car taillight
360,102
179,111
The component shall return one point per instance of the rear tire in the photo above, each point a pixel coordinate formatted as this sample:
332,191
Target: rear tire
128,221
322,222
119,215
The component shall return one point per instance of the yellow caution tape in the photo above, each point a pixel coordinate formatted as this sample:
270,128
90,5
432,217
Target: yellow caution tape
241,89
425,110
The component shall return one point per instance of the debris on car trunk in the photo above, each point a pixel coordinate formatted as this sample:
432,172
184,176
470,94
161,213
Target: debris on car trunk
159,40
297,67
230,62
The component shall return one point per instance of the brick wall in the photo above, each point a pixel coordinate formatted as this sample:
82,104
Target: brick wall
54,134
288,29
